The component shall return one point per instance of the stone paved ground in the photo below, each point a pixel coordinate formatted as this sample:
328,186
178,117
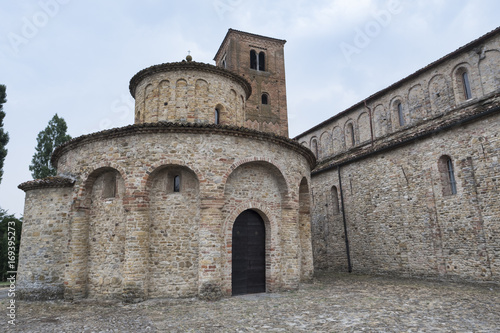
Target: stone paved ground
332,303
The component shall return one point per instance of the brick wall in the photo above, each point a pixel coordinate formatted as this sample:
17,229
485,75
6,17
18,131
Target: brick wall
235,53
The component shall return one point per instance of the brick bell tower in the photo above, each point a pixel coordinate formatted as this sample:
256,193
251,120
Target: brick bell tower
261,61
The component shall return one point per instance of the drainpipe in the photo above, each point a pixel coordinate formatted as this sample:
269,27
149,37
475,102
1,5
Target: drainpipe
349,267
371,122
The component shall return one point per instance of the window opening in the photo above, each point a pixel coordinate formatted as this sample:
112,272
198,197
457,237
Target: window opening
350,127
177,183
253,59
451,176
257,61
264,99
335,200
401,115
262,61
465,82
224,61
217,116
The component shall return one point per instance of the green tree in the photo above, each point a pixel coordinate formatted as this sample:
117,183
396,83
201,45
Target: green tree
10,230
4,136
48,139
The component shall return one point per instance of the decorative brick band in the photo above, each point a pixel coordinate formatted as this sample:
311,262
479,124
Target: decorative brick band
49,182
191,128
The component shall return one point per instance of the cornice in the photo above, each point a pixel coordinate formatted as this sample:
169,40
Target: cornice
188,65
192,128
49,182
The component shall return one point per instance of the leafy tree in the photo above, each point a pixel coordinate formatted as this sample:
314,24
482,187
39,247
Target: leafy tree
48,139
9,223
4,136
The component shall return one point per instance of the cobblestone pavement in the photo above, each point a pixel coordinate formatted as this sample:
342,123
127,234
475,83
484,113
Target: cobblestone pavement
331,303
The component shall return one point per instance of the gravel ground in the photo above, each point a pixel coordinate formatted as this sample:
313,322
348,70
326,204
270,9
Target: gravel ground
331,303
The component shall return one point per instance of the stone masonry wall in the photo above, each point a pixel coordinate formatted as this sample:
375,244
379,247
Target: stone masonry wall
189,95
45,235
401,215
173,240
399,219
106,235
176,244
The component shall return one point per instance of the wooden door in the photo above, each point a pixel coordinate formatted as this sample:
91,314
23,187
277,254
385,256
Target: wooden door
249,254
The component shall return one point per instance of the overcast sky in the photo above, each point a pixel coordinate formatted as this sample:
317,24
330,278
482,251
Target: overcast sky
75,57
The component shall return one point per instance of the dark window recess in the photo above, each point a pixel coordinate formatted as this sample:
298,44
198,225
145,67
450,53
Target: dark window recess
445,167
177,183
253,59
217,116
257,61
451,177
262,61
264,99
401,115
350,129
335,200
466,86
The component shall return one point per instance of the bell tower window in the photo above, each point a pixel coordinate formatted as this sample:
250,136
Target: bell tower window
265,99
257,61
262,61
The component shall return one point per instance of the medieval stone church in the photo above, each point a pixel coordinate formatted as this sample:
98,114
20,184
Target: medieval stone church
205,195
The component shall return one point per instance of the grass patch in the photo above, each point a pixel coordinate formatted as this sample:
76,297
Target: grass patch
4,284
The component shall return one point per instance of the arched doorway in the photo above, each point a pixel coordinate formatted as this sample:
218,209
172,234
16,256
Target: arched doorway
248,254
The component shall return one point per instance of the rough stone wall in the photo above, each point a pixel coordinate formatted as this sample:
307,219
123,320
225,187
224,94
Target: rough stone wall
188,95
400,221
262,183
147,241
43,252
401,217
106,235
235,50
173,239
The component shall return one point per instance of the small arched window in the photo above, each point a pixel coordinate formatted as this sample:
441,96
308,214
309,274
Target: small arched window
177,183
446,169
262,61
466,85
257,61
265,99
335,200
350,135
224,65
401,116
217,116
253,59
